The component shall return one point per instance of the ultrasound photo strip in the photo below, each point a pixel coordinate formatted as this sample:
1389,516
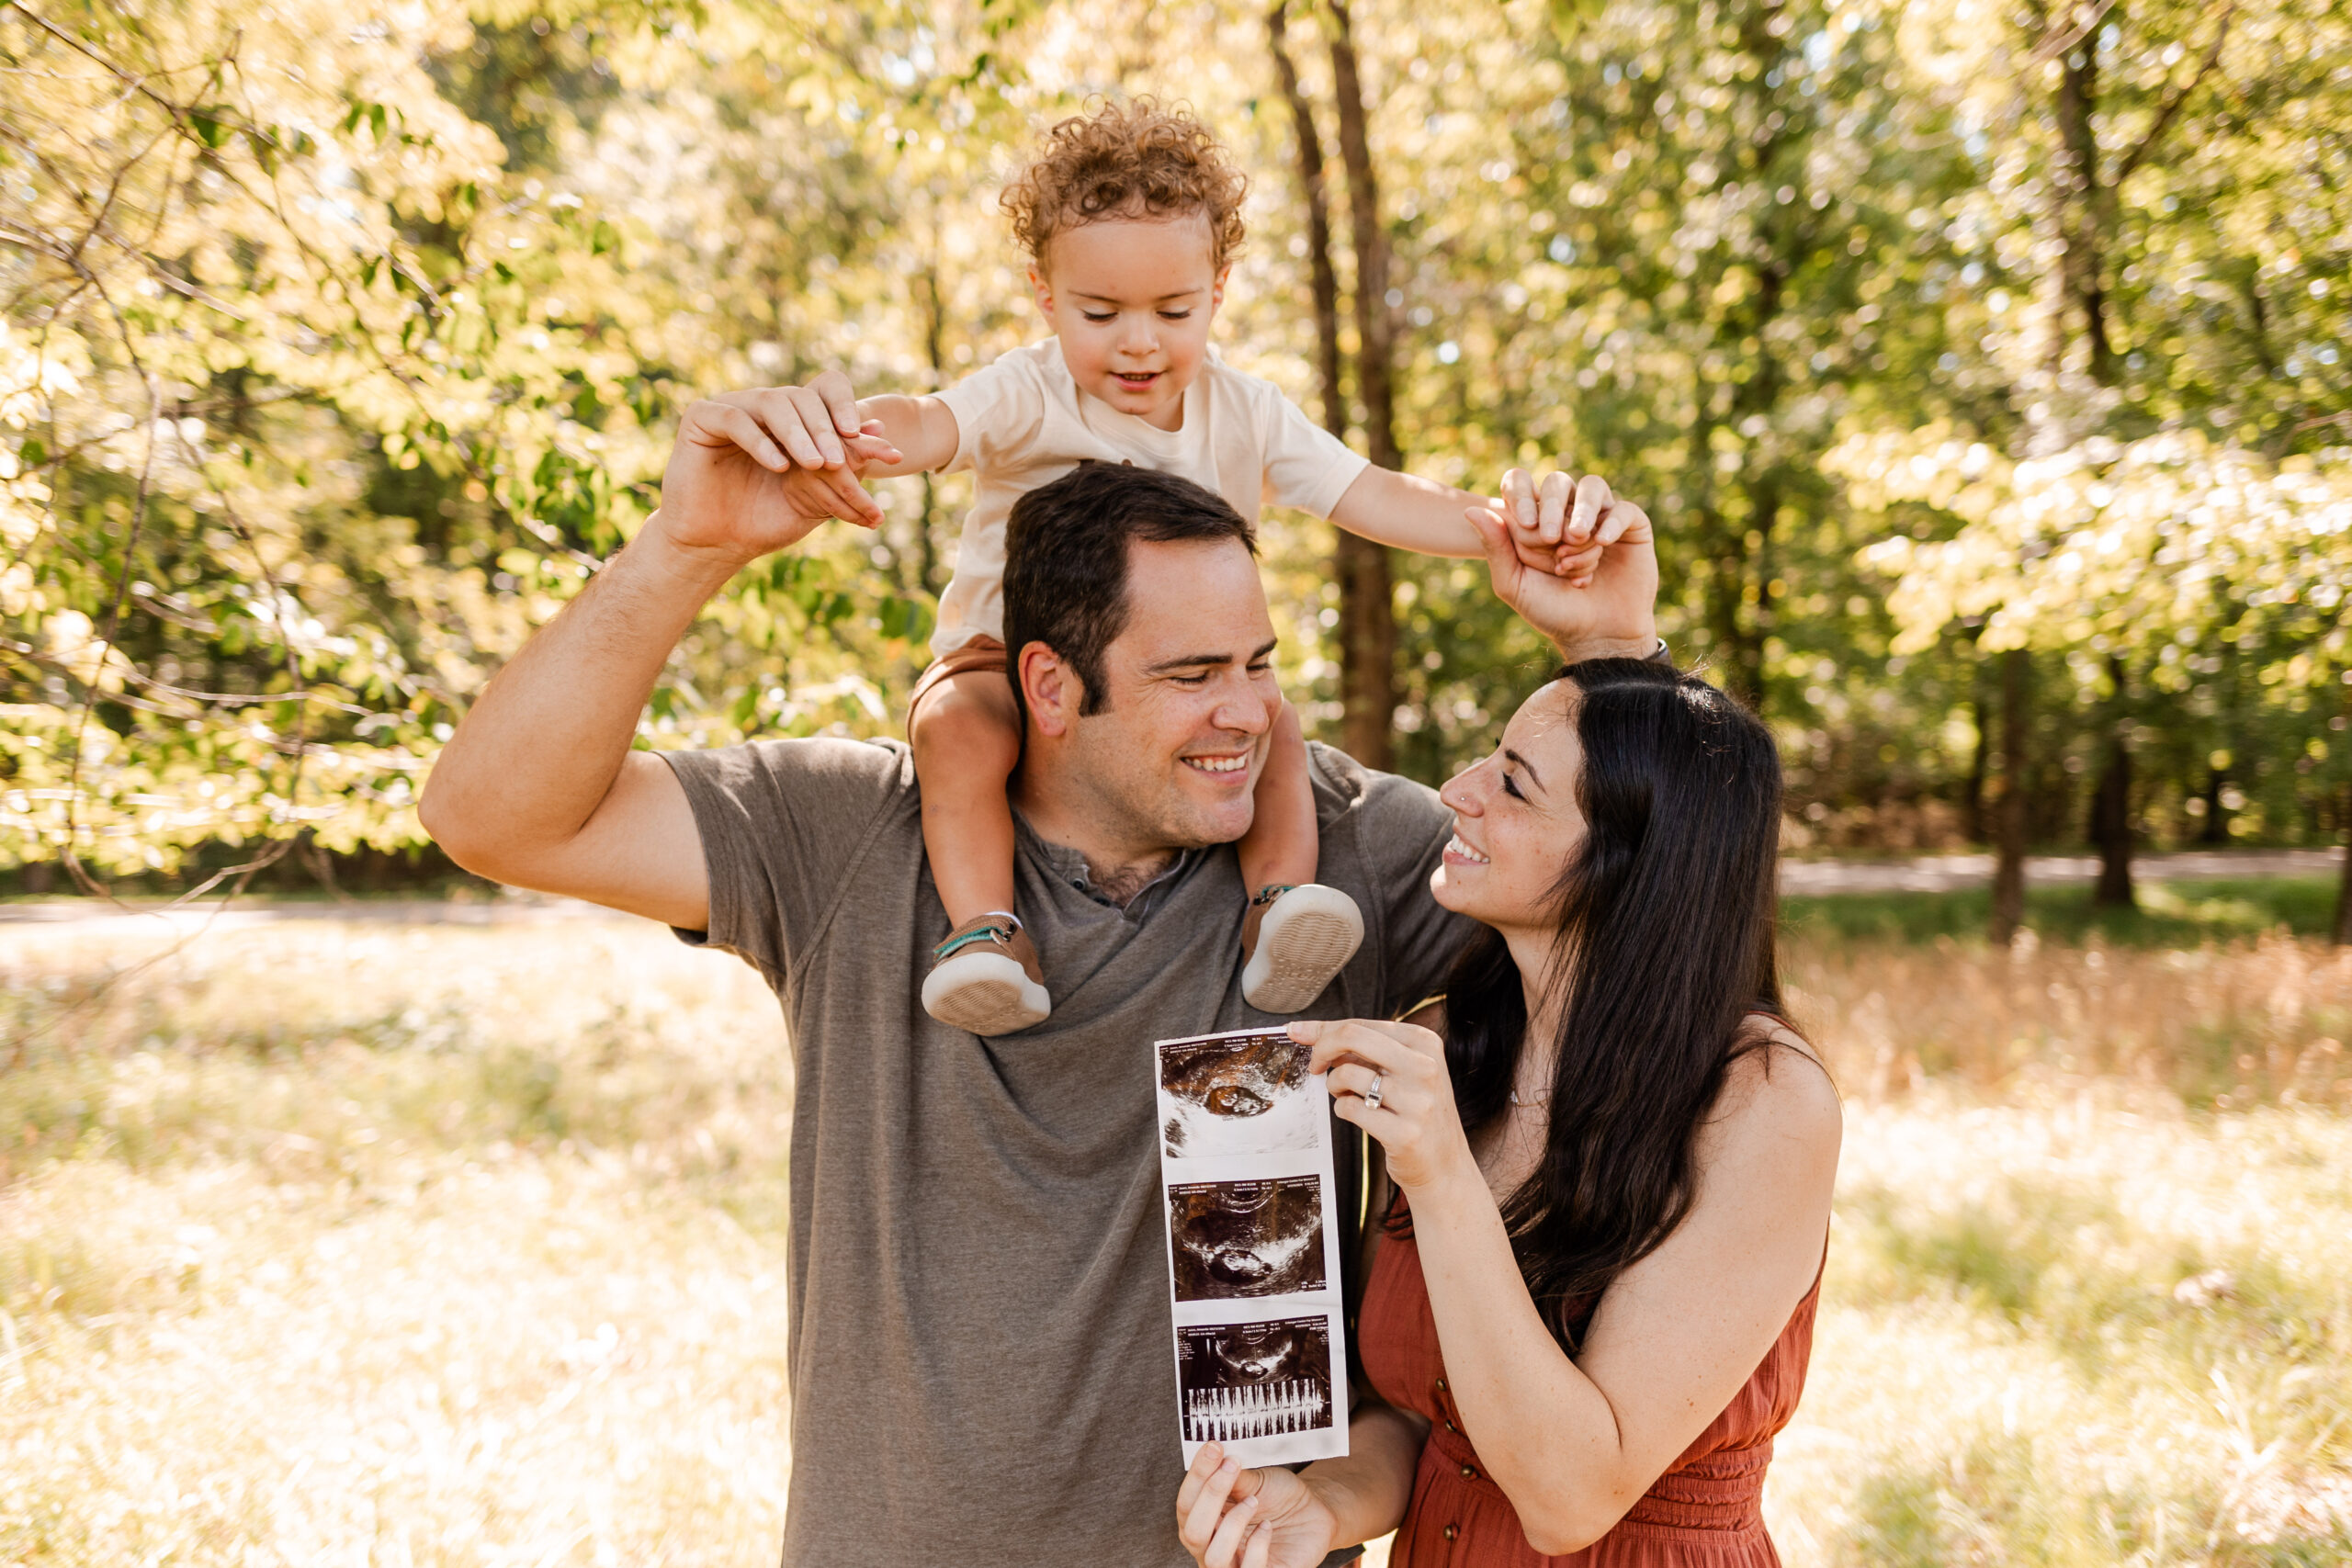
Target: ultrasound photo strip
1253,1240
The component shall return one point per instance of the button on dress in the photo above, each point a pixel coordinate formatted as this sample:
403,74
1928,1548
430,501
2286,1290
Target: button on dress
1704,1512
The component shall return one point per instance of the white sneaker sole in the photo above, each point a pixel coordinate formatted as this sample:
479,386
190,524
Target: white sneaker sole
985,993
1305,940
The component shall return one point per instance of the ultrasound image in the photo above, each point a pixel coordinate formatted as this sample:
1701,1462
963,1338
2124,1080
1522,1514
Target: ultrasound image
1246,1238
1254,1380
1238,1094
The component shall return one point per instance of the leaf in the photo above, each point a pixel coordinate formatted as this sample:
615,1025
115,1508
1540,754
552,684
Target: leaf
211,123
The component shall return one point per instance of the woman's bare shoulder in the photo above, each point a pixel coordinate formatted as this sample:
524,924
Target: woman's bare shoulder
1778,1086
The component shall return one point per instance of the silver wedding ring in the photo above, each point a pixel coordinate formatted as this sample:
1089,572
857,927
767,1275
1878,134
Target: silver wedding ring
1372,1094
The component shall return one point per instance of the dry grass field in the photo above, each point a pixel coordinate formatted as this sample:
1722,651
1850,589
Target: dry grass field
349,1244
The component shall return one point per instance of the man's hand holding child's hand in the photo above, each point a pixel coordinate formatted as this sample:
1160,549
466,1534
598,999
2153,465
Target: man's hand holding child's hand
1595,599
1561,526
824,444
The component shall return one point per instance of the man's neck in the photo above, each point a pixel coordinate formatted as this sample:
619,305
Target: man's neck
1116,868
1119,881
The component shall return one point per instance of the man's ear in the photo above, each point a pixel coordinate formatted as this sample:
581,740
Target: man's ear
1051,689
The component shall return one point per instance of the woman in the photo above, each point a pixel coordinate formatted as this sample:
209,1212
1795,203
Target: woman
1591,1304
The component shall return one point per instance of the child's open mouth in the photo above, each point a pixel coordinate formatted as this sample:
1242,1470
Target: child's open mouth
1136,381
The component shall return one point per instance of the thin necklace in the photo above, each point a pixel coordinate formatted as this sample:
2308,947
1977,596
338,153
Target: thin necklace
1518,1098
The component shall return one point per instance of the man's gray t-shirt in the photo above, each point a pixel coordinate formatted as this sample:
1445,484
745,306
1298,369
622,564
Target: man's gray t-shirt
982,1356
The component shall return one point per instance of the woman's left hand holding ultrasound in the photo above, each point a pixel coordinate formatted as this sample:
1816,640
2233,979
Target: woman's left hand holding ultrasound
1391,1080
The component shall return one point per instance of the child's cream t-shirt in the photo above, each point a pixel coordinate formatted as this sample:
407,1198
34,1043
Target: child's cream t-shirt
1022,422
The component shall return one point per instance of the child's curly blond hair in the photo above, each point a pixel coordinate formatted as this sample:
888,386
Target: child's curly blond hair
1136,160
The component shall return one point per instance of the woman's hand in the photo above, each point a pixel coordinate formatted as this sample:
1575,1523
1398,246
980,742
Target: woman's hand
1231,1517
1412,1113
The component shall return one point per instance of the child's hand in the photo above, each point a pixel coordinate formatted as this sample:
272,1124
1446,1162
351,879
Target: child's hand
1527,542
835,492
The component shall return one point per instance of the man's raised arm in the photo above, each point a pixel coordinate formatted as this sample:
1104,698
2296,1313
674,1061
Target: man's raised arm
539,788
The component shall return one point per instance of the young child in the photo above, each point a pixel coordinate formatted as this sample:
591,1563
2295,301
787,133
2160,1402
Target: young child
1131,216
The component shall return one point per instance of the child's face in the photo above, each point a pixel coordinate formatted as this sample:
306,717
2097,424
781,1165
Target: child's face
1131,299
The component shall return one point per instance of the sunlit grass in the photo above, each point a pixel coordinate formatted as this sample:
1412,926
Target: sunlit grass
2168,914
2087,1332
340,1244
335,1244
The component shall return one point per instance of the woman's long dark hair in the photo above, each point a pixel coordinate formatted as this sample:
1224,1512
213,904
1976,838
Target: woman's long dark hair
1666,945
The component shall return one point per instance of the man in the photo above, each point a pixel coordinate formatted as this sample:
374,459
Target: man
980,1345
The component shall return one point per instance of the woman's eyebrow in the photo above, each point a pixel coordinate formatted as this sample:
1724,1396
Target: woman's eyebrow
1521,762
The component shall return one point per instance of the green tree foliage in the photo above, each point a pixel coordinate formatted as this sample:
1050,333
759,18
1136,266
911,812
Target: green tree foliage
2164,286
341,343
338,353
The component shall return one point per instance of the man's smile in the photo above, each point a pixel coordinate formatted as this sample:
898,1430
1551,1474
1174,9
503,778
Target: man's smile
1236,763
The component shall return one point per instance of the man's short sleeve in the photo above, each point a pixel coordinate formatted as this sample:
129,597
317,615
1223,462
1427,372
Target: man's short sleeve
1307,465
1394,832
997,411
783,825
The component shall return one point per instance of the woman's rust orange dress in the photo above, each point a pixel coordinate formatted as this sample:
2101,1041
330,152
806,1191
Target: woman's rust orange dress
1704,1512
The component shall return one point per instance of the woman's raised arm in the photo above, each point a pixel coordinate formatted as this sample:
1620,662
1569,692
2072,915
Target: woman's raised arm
1574,1443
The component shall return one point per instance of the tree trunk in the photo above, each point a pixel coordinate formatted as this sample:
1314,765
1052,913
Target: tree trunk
1980,765
934,322
1367,605
2083,202
1323,280
2111,803
2344,890
2217,827
1375,334
2008,812
1744,666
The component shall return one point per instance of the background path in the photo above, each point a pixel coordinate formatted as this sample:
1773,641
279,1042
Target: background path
1944,873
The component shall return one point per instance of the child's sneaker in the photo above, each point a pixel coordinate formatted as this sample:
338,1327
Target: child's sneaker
985,978
1296,940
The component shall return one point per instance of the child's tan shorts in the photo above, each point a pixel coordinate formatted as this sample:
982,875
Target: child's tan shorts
980,653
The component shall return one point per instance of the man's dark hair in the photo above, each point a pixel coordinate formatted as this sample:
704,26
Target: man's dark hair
1065,559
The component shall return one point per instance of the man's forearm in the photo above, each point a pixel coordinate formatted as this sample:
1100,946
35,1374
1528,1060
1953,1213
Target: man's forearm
540,749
